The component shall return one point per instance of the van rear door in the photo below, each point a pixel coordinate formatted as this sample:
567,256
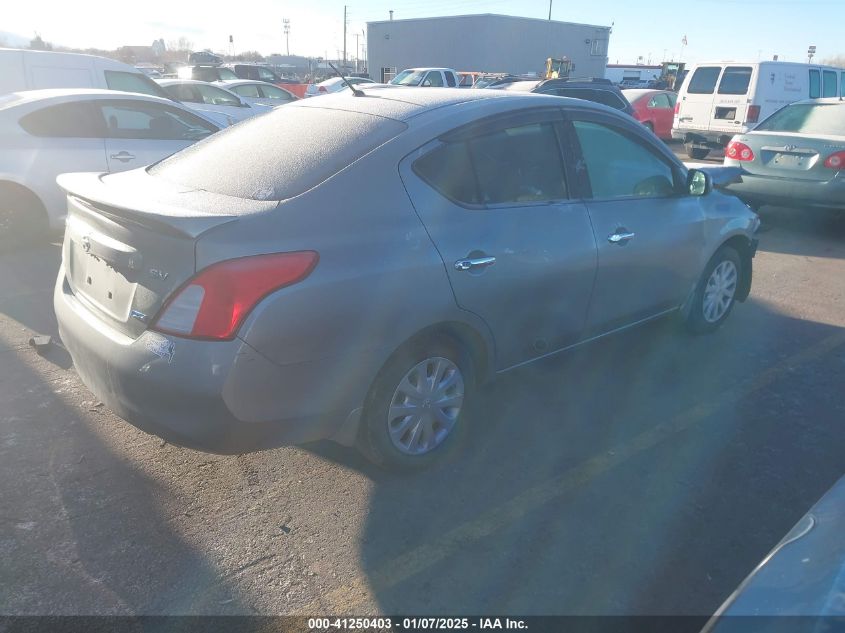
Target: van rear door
731,100
696,101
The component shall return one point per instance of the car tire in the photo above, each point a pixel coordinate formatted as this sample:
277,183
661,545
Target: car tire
22,218
715,293
697,153
395,441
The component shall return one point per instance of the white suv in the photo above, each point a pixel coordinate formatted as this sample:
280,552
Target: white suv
426,78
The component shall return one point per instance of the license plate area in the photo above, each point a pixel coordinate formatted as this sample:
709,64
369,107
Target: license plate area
791,160
100,284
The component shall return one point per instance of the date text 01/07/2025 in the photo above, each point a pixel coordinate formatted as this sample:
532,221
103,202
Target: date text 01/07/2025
415,624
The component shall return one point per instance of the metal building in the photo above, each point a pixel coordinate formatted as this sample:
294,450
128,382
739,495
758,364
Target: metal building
487,42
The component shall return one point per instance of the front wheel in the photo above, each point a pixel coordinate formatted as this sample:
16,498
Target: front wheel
697,153
415,413
715,294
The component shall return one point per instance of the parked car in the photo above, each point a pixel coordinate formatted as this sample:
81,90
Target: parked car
597,90
36,70
491,80
257,72
204,57
207,73
333,85
258,92
44,133
499,242
426,78
654,109
214,102
795,158
803,575
718,100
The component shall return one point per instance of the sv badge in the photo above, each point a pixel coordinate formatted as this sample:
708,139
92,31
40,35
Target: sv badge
159,274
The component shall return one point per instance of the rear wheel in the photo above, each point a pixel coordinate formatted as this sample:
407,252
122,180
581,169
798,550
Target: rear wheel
415,413
715,293
22,217
698,153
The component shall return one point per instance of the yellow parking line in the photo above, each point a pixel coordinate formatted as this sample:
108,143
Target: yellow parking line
362,591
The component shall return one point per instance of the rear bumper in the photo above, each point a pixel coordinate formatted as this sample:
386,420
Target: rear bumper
219,397
829,194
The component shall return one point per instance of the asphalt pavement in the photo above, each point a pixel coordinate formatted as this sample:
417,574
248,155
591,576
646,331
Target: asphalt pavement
644,474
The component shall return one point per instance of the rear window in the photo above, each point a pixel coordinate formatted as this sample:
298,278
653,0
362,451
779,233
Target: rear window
268,158
703,80
815,84
808,118
829,84
133,82
66,120
735,80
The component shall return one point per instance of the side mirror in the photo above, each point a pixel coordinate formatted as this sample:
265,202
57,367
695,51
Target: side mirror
699,183
427,83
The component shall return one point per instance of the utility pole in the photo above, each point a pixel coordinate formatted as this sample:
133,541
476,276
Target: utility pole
286,26
550,10
357,55
344,35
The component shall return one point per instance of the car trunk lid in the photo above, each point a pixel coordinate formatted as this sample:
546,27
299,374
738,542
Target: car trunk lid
130,241
794,156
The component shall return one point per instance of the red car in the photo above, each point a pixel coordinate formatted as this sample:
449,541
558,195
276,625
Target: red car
654,109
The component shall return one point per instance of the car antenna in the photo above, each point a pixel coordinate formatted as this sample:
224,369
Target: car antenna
355,91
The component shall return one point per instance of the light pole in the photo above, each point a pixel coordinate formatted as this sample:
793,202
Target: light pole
286,27
811,52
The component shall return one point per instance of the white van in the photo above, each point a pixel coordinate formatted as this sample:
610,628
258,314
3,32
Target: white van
33,70
718,100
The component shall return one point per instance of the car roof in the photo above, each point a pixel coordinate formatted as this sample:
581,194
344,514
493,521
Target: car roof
402,103
632,94
22,97
240,82
825,101
518,86
171,82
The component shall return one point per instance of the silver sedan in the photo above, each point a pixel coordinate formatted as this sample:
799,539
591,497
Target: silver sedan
254,291
796,157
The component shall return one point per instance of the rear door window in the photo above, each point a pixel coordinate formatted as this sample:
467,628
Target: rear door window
184,92
246,90
703,80
660,101
212,95
449,170
829,84
266,75
152,121
66,120
433,79
815,84
735,80
272,92
450,80
133,82
519,165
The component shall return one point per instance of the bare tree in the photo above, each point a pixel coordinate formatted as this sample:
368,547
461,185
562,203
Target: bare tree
182,44
836,60
38,44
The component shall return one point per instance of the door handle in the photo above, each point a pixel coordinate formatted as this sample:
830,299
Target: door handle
478,262
620,237
123,156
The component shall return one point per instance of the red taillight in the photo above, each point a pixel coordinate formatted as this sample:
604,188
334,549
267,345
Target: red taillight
322,89
753,114
835,161
214,303
739,151
677,107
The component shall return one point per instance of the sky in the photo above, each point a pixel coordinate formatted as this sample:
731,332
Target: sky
745,30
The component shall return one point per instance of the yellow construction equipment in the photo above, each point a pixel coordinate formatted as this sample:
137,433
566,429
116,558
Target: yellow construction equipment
558,68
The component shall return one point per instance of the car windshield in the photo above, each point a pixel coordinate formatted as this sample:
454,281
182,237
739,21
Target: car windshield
408,78
807,118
